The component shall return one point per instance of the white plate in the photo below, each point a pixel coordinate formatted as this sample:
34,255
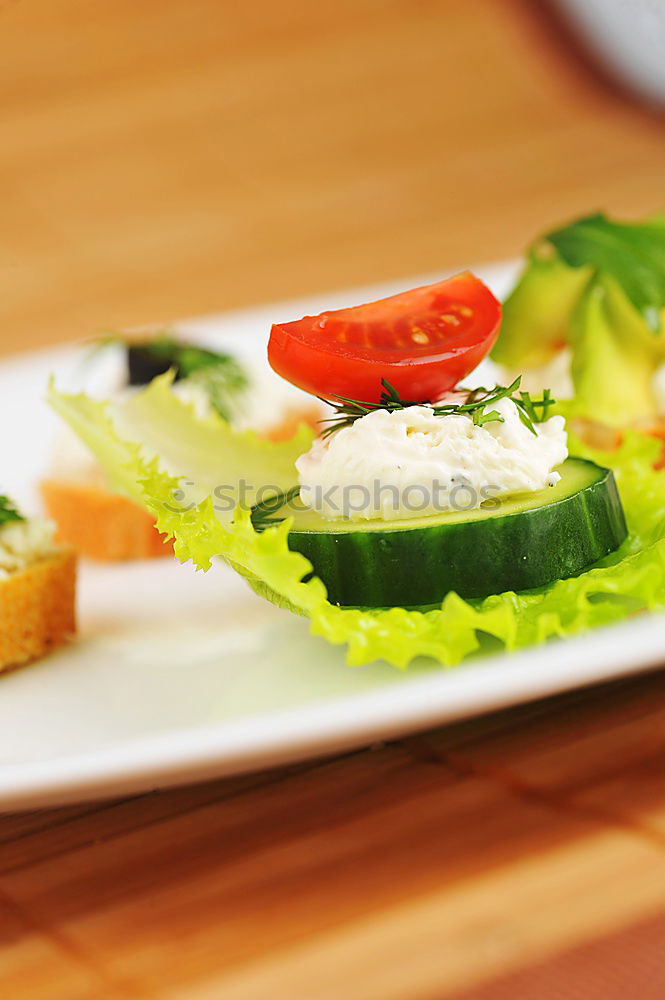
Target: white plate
178,676
629,36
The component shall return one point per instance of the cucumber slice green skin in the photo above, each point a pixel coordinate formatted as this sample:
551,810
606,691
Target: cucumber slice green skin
475,557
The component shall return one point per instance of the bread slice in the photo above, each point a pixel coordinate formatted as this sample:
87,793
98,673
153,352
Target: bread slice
102,525
37,609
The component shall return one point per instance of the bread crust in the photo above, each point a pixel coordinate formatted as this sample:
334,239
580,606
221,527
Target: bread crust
102,525
37,609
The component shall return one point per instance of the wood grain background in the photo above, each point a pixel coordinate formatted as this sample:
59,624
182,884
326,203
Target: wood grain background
162,158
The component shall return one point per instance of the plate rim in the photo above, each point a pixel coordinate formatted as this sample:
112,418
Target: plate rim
435,698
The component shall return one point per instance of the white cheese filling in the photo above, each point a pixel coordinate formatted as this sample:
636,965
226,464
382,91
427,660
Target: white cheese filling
412,463
23,543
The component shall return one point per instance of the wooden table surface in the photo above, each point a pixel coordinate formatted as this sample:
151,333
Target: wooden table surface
172,158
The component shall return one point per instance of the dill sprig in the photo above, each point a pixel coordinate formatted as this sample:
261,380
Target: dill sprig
8,511
531,411
262,514
220,375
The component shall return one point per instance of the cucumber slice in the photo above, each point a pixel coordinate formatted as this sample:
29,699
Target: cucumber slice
522,543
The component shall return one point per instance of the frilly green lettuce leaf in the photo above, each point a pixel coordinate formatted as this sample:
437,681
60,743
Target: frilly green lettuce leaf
175,473
202,452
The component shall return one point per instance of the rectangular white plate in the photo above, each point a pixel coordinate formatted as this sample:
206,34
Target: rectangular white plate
178,676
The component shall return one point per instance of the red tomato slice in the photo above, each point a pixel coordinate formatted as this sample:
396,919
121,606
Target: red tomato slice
423,342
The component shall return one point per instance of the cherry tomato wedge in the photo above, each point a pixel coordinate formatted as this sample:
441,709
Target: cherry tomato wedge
423,342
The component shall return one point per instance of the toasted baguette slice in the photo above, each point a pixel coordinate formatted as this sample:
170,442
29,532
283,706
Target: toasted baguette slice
37,609
100,524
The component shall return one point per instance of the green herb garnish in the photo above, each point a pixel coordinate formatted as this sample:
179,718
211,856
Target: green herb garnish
531,411
262,515
220,375
8,511
186,358
633,254
222,381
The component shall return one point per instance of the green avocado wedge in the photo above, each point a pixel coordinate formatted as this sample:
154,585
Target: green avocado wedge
595,287
518,543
